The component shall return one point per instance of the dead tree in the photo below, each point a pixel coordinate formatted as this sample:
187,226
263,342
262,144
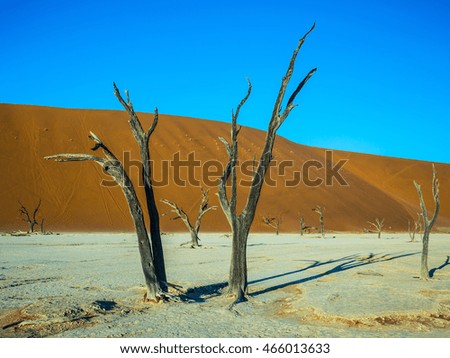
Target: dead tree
112,166
142,138
320,210
302,225
181,214
273,221
427,223
240,223
416,230
42,226
155,250
31,219
378,225
419,221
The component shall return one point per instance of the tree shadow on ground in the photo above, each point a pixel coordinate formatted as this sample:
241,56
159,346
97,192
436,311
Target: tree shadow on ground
446,263
203,293
313,265
351,262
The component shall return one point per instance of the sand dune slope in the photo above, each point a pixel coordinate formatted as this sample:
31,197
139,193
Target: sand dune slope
75,196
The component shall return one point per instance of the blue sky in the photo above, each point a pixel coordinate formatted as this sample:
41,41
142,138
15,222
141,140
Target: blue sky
382,85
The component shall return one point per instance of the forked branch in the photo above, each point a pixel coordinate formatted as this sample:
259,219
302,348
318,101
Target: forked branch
203,209
140,135
229,205
181,214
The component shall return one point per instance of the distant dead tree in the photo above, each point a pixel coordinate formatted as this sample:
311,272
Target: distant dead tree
427,223
240,223
150,248
273,221
378,225
417,228
419,221
320,210
302,225
41,225
31,218
181,214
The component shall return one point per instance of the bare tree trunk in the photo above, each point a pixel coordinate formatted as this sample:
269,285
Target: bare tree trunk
424,271
152,282
115,169
322,227
142,138
42,227
319,210
427,223
419,223
240,223
302,225
238,281
194,239
411,234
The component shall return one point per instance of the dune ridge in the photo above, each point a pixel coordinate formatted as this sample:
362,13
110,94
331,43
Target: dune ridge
74,200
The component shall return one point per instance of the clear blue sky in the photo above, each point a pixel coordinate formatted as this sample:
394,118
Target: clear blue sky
382,85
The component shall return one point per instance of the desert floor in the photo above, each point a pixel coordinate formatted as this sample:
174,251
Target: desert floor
346,285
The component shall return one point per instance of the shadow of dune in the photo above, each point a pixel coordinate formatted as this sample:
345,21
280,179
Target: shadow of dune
446,263
351,262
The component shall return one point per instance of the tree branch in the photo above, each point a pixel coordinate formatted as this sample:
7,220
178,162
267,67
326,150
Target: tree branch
287,77
435,190
290,105
23,210
67,157
136,126
153,126
275,122
203,209
179,211
36,210
229,205
422,204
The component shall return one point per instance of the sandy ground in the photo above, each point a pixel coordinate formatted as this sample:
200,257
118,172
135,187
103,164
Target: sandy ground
347,285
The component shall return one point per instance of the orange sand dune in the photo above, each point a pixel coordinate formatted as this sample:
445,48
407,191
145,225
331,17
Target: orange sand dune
74,200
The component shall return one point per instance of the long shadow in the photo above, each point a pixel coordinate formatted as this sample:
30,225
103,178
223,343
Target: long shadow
200,294
352,263
446,263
